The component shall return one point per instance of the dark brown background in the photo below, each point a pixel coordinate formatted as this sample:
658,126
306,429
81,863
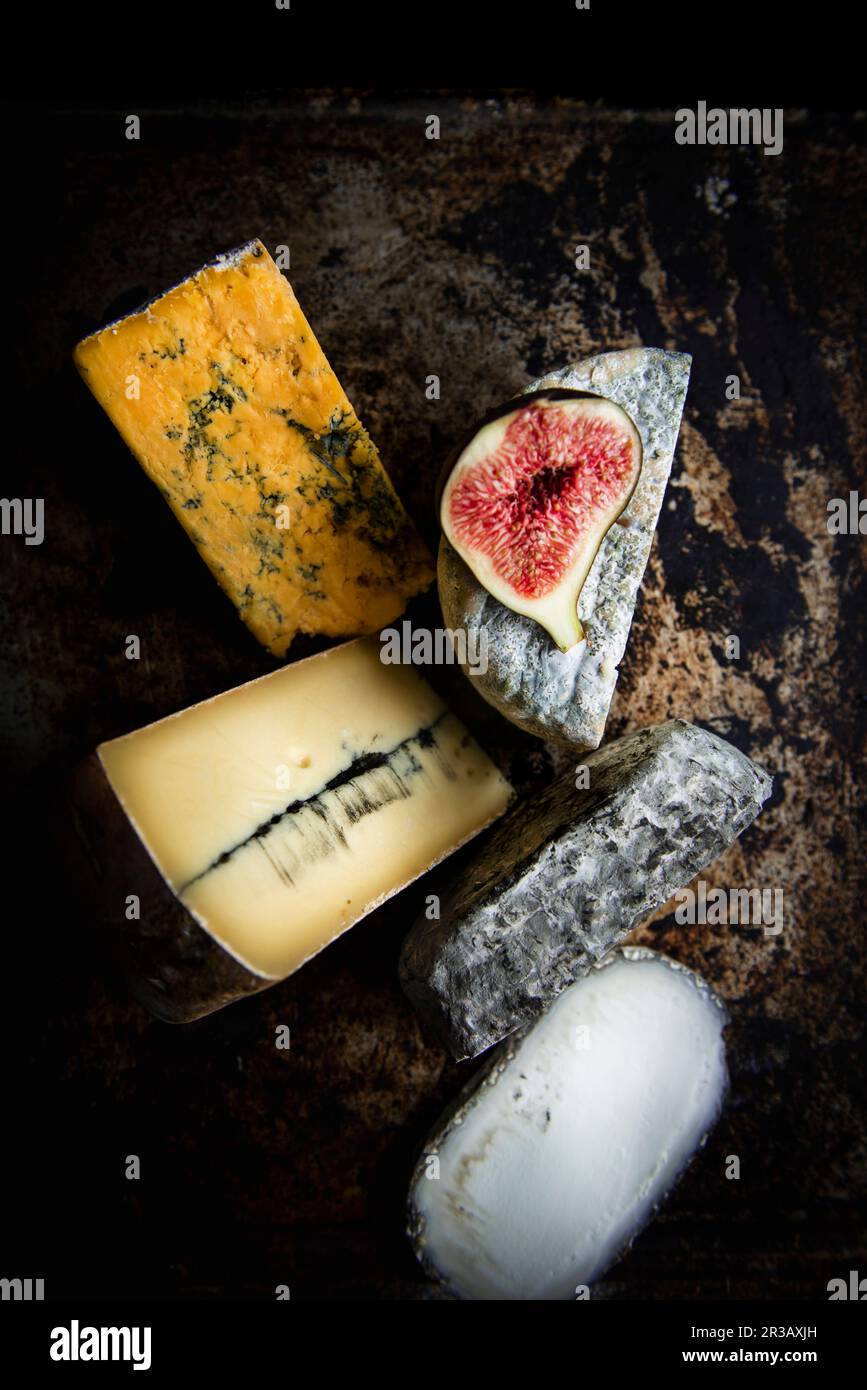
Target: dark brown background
454,257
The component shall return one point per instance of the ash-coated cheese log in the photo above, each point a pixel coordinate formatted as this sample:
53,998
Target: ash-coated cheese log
256,827
225,397
566,695
570,874
562,1148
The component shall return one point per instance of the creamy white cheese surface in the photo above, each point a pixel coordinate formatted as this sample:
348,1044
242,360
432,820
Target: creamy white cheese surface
560,1157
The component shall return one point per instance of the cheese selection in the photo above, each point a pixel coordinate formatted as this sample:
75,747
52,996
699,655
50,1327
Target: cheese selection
282,812
225,397
253,829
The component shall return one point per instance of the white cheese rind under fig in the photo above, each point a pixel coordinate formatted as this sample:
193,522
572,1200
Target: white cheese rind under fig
566,695
563,1147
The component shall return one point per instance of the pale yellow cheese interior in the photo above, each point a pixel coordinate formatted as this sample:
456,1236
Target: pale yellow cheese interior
231,799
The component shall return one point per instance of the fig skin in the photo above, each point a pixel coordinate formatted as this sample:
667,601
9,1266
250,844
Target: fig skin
555,609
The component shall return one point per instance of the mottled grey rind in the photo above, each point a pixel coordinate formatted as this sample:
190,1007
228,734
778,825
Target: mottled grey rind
489,1075
172,965
568,875
566,695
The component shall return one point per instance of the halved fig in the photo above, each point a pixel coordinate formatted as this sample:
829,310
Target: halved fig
531,496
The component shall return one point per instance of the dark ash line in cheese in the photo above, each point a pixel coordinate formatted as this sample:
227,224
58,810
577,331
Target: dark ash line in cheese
318,825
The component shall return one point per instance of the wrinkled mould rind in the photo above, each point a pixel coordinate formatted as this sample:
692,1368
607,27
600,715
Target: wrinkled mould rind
489,1074
566,695
569,874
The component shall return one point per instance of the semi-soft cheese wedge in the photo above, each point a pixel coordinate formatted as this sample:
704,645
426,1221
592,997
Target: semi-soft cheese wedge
225,397
277,815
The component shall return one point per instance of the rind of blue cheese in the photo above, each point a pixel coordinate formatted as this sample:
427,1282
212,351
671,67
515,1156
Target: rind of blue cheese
569,874
282,812
567,695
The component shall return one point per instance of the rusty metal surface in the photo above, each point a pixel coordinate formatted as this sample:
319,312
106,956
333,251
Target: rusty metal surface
454,257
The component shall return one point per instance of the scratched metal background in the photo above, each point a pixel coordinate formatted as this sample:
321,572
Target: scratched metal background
452,257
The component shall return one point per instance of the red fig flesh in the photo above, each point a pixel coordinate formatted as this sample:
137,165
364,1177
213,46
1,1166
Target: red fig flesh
531,497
